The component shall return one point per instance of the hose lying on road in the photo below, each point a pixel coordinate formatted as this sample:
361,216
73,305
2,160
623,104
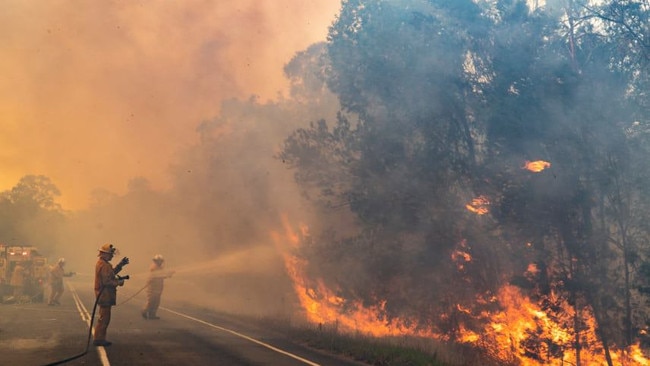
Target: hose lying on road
90,328
90,333
116,270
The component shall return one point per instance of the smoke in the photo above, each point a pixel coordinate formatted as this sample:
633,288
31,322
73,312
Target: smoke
94,94
214,224
159,122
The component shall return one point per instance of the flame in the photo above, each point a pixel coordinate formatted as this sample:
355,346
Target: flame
532,269
322,305
479,205
461,256
521,332
536,166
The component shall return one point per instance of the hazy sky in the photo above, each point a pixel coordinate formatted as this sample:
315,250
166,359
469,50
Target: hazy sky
95,93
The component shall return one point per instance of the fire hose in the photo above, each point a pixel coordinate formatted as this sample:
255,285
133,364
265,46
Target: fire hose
134,295
140,290
118,267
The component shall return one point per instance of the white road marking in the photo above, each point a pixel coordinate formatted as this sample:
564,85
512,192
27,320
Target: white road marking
242,336
86,317
80,307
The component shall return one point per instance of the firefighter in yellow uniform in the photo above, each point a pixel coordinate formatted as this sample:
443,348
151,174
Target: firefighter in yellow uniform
155,283
56,282
106,283
18,281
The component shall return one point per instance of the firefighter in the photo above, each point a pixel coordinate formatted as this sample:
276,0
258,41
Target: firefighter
18,281
155,282
106,283
56,282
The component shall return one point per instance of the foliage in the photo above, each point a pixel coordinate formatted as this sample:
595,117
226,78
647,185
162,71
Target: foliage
34,191
373,351
450,100
29,213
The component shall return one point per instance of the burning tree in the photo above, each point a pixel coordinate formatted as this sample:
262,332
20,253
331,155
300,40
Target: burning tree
448,231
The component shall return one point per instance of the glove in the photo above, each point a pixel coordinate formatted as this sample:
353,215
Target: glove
120,282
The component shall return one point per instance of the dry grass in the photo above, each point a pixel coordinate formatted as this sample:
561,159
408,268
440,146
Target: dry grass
385,351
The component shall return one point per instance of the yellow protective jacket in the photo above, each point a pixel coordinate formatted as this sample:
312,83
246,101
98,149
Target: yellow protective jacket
105,283
156,279
56,276
18,276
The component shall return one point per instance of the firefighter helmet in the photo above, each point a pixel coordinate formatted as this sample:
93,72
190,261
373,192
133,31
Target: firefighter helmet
158,258
107,248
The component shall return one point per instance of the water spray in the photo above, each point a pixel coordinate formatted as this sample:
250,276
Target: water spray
232,262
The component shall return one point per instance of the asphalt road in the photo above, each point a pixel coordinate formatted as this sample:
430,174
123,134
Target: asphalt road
37,334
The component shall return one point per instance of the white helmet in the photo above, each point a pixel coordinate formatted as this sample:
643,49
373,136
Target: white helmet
61,261
158,258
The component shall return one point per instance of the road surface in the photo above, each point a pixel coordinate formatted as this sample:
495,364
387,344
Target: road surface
37,334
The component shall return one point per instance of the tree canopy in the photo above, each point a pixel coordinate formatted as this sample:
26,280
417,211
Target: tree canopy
444,103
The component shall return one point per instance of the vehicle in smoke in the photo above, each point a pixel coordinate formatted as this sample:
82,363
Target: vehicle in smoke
35,273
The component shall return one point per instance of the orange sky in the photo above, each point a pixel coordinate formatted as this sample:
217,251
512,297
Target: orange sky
95,93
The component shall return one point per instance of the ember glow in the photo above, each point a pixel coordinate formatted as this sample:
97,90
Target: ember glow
536,166
321,305
479,205
522,332
461,256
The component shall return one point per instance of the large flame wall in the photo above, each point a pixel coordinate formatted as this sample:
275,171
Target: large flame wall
521,332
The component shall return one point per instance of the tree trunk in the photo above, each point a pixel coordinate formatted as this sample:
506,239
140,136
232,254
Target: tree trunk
576,329
628,302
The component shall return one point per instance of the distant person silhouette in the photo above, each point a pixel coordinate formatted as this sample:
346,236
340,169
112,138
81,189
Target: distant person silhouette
18,281
155,285
56,282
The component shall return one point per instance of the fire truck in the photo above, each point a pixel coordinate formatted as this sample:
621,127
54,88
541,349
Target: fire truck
35,273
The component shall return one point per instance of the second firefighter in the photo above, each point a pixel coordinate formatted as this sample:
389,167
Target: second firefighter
155,284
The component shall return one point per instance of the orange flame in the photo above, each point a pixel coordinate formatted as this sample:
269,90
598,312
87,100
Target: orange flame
479,205
523,325
536,166
461,256
522,331
322,305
